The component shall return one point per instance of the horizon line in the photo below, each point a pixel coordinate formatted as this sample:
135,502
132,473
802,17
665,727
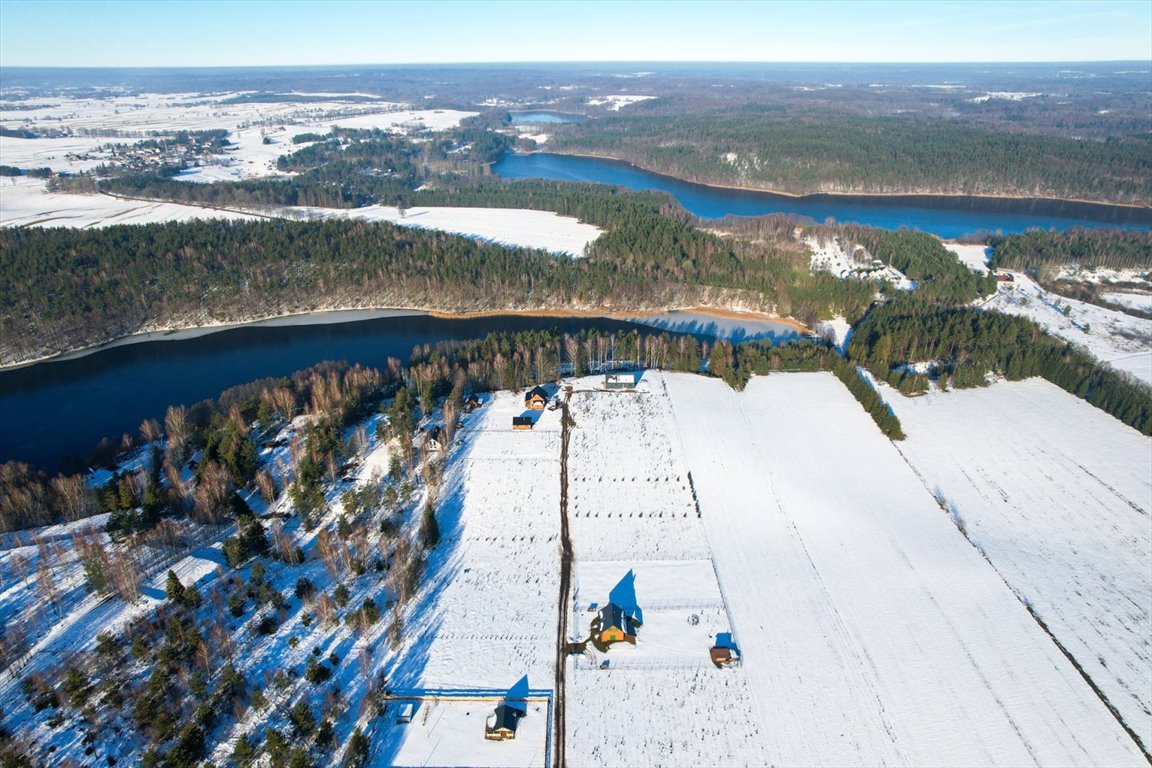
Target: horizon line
1142,62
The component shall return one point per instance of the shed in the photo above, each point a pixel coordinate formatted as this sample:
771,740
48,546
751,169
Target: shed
536,398
1005,278
723,657
620,380
501,725
522,422
406,713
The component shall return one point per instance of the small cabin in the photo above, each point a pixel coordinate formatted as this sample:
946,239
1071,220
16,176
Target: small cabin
618,380
1005,278
723,657
615,625
471,403
406,713
501,725
522,422
536,398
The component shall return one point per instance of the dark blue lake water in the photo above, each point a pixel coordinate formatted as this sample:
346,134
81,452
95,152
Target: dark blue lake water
947,217
57,409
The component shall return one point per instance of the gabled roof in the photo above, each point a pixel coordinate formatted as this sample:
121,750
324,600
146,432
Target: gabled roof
521,420
534,392
613,616
507,717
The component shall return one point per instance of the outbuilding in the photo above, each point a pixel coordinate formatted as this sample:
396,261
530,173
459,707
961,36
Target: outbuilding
522,422
620,380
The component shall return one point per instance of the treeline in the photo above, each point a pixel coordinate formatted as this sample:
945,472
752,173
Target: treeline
763,148
503,361
967,344
1037,251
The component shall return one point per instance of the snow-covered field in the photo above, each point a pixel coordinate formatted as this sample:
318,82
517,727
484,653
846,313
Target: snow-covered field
617,101
975,256
25,202
1140,301
1122,340
508,226
248,124
631,508
872,632
1057,495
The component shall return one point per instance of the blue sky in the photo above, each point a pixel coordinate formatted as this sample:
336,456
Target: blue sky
253,33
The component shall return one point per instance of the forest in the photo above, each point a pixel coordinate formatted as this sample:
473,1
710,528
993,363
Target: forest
762,146
1037,251
965,344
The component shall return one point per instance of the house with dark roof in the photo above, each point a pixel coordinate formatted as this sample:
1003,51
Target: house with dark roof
614,625
501,725
536,398
522,422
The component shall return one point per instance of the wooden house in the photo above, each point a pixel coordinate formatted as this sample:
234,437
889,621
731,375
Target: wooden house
501,725
471,403
614,625
522,422
536,398
1005,278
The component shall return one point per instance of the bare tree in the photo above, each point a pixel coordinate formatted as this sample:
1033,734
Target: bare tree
76,501
176,425
150,430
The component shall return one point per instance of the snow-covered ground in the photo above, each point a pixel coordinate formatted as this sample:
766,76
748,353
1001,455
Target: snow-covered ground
1057,495
1140,301
631,509
847,260
617,101
25,202
508,226
872,632
248,124
490,615
975,256
1122,340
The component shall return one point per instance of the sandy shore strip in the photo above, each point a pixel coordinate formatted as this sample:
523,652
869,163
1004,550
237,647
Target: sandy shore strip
333,316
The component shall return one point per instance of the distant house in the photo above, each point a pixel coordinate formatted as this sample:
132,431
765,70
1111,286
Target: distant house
434,438
536,398
614,625
471,403
1005,278
522,422
617,380
501,725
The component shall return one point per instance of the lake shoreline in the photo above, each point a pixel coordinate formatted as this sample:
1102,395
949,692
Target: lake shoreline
863,196
354,315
